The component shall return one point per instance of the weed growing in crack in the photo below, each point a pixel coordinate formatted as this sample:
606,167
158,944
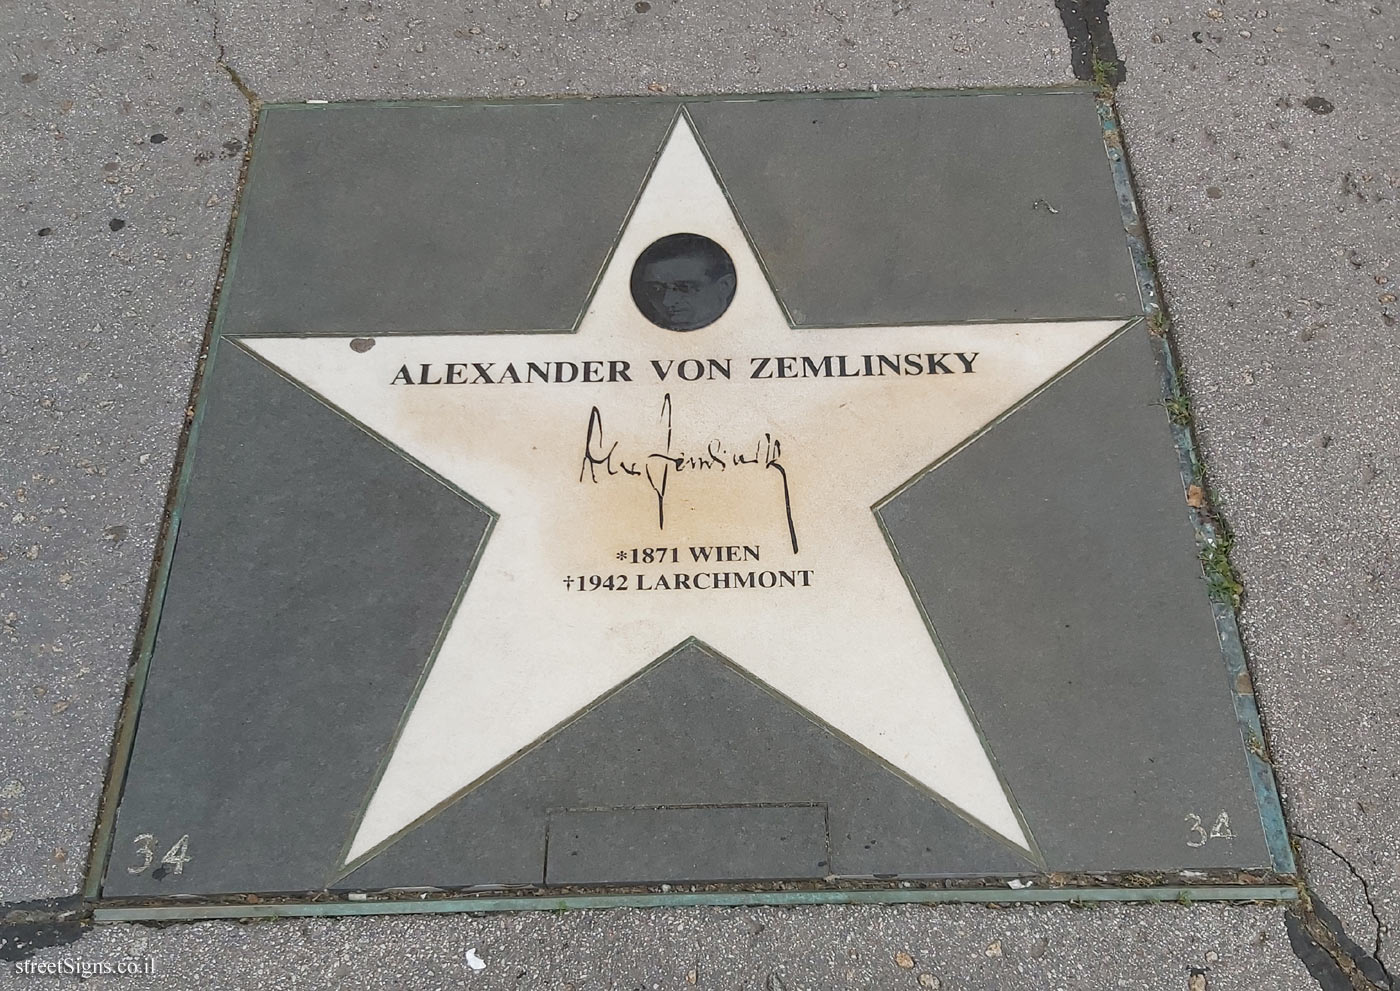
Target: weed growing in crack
1221,581
1178,408
1104,73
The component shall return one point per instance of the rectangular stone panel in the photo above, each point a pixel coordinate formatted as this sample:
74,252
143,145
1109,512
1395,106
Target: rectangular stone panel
686,844
732,490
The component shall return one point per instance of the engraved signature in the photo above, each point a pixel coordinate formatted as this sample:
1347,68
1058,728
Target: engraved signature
602,459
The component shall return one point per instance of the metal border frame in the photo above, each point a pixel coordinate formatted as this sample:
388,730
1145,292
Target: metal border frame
564,903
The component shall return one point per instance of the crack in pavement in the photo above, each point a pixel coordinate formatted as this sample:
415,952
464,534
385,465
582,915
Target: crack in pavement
1336,927
27,927
1092,52
249,94
1330,956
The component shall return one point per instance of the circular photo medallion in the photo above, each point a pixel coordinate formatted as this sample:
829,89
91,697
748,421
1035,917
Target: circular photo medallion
683,282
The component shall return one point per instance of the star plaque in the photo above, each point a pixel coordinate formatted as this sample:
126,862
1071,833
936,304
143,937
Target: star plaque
790,545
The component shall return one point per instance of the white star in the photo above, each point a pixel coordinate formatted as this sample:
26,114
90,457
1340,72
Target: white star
844,637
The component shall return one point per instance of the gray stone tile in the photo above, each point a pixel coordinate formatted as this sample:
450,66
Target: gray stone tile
313,570
1053,554
381,220
691,730
927,208
602,846
1058,567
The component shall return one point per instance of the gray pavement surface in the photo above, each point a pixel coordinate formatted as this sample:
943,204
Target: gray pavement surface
1263,135
1275,226
953,948
425,48
111,246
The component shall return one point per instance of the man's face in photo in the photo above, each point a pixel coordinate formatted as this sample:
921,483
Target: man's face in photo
683,282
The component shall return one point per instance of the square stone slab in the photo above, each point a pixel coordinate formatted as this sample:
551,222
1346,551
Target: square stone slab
724,493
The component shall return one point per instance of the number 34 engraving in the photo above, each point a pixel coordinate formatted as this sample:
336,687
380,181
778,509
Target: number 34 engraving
176,857
1199,836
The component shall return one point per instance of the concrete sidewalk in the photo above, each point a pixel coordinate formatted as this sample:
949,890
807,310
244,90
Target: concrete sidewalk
1264,138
